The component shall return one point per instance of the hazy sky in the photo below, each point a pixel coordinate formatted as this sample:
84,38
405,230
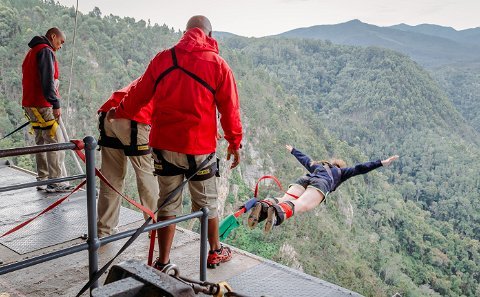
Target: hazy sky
267,17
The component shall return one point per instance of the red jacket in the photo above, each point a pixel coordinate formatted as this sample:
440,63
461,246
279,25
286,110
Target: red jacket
40,70
144,115
184,116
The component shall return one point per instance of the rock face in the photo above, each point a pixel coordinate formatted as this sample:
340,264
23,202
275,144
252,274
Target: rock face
289,254
253,165
224,187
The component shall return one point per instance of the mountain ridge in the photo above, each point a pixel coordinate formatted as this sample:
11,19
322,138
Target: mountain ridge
429,50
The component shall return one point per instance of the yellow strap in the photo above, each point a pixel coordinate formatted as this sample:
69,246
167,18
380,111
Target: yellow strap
42,124
223,287
30,120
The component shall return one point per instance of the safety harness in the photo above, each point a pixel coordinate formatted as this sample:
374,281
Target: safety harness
191,74
164,168
134,149
328,167
41,124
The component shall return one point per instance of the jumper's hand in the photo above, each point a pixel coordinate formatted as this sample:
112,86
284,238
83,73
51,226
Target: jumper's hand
236,157
289,148
388,161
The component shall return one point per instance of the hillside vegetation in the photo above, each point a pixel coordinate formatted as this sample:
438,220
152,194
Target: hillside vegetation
412,228
452,57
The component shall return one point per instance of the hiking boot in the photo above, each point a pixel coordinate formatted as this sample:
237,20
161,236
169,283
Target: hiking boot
271,219
259,212
41,188
277,214
56,188
159,266
222,255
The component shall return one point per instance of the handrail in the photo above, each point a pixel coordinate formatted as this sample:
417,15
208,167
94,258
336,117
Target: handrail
93,243
42,182
84,246
37,149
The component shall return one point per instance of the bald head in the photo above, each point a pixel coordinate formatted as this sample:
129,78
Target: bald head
201,22
56,37
55,31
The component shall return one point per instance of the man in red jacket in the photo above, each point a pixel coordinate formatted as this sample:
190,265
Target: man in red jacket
122,139
42,105
187,84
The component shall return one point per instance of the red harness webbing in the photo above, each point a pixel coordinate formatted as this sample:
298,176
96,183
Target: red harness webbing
98,173
276,181
243,209
50,207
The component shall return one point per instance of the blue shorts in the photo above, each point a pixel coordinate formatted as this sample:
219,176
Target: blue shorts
314,182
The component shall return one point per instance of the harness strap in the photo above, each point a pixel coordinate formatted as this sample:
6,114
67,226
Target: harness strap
192,165
107,141
134,149
189,73
284,210
41,124
329,171
16,129
164,168
206,173
133,133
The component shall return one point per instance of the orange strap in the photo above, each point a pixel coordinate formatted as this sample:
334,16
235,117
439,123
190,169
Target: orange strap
265,177
276,181
287,208
104,179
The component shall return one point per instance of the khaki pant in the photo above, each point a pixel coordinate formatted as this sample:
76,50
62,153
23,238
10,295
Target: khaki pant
204,193
114,168
49,164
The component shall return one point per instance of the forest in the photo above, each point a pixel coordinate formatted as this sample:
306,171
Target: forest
412,228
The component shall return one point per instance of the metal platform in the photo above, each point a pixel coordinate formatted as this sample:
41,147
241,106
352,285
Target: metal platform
66,222
247,274
272,279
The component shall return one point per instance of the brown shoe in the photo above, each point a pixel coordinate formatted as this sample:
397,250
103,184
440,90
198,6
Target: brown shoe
259,212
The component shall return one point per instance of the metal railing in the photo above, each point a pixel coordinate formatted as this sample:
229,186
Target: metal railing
93,242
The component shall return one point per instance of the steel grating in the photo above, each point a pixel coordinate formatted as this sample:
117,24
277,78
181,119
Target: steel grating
271,279
66,222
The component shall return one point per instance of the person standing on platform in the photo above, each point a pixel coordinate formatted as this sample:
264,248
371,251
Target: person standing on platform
122,139
187,84
41,103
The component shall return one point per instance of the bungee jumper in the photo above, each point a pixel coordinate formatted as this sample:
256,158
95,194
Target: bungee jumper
309,190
